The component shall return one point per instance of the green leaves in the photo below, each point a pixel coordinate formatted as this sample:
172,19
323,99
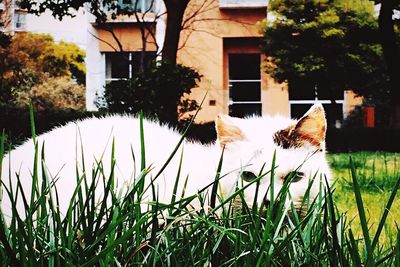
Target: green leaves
159,90
314,43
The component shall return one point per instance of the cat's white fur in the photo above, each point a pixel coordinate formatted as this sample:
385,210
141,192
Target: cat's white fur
248,145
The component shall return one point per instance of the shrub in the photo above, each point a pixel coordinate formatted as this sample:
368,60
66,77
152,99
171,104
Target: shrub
55,93
159,90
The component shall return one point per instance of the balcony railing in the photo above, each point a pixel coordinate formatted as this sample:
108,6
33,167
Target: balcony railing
242,4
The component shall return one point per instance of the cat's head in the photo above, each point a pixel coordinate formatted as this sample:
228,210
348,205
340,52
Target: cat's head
250,145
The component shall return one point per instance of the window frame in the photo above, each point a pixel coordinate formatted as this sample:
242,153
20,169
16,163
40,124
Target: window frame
231,83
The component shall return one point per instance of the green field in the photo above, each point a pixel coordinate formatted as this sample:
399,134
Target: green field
377,173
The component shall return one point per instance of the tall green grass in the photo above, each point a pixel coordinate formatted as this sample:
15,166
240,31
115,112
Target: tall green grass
121,231
377,174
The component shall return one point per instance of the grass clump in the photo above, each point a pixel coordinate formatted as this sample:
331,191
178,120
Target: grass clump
123,231
377,175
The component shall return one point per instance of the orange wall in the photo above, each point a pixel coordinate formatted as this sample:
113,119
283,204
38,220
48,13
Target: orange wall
205,47
351,100
128,34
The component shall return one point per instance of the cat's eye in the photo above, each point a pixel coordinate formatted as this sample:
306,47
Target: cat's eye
248,176
294,176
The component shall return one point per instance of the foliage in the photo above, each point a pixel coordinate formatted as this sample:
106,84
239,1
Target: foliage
377,174
54,93
160,90
29,59
14,121
331,44
6,63
47,59
122,231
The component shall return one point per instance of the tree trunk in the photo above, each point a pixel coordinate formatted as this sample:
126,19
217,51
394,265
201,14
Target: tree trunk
388,42
175,11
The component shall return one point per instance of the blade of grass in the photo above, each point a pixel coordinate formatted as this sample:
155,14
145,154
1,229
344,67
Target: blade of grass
361,212
385,214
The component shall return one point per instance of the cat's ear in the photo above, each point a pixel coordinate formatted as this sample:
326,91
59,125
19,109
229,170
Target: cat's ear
310,129
312,126
227,131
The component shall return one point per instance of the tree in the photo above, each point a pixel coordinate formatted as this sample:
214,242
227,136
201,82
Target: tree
391,53
29,59
45,57
333,45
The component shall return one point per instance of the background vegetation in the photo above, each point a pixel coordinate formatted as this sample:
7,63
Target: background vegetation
160,90
32,64
331,45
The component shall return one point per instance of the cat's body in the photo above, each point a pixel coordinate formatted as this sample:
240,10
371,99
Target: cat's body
249,144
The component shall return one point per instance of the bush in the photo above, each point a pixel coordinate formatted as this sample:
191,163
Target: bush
160,90
55,93
15,122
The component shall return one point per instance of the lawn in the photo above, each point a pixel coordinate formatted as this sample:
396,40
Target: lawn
377,173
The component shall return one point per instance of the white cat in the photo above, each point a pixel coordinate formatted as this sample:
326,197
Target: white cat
249,145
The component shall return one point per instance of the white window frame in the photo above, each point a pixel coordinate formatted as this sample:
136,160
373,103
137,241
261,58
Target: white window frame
111,79
320,101
231,102
141,5
22,26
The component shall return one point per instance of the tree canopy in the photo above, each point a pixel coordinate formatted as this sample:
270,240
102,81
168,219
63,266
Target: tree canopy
330,44
28,59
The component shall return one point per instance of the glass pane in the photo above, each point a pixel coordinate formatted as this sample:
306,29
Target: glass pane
334,112
298,110
244,67
300,90
136,58
20,19
137,5
245,91
244,110
117,65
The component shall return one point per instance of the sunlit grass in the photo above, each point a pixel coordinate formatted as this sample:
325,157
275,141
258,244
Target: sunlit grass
377,173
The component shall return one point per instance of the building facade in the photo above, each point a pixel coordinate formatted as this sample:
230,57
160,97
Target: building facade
222,40
12,17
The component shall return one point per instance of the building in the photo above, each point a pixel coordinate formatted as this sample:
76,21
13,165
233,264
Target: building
222,41
15,20
12,17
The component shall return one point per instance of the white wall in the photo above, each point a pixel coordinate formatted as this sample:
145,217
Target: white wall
72,30
95,66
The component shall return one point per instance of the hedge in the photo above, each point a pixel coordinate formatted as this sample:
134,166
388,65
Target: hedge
16,124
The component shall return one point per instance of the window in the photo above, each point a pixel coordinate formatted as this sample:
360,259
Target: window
20,21
121,65
1,19
244,85
305,95
137,5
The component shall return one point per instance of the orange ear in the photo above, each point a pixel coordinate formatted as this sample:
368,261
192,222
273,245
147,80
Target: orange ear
311,129
312,126
227,131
